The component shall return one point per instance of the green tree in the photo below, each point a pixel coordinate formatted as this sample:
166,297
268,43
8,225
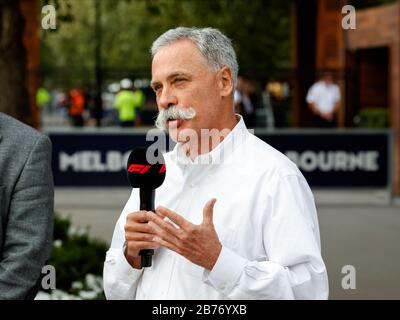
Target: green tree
13,95
260,31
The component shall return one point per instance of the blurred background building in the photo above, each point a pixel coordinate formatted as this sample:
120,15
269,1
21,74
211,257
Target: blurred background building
365,61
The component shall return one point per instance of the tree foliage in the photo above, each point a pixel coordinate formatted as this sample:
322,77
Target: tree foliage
14,94
75,254
260,31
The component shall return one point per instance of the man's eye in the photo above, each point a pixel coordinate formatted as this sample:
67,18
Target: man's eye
179,80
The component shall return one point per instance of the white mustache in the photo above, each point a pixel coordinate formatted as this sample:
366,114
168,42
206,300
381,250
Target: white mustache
173,113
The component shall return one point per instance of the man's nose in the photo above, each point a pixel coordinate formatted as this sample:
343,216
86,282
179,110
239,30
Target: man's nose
167,98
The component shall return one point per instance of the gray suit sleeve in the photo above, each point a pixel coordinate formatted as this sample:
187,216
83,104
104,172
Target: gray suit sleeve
28,238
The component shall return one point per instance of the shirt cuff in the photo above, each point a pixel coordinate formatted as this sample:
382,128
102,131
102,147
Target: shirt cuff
226,271
122,267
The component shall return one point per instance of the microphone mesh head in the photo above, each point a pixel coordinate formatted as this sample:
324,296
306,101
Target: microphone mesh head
146,168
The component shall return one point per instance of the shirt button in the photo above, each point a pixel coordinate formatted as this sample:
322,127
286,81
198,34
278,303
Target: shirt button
222,286
192,185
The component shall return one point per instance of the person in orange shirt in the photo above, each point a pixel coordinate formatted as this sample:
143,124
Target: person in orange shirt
76,107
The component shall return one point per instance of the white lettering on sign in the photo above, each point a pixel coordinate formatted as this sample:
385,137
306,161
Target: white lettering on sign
325,161
92,161
335,160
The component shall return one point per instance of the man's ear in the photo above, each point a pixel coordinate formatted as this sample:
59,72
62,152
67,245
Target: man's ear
225,81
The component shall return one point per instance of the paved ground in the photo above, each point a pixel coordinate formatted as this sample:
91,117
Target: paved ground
358,227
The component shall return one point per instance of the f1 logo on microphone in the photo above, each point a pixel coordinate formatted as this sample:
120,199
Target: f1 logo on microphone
162,170
142,168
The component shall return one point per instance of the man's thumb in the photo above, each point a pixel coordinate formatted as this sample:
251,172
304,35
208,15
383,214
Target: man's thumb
208,211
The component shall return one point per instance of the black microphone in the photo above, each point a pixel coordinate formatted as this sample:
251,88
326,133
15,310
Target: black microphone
146,171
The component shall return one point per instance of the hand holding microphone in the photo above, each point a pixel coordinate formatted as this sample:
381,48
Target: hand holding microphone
138,238
147,176
146,231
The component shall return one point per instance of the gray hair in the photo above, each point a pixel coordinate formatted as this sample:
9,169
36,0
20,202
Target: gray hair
213,45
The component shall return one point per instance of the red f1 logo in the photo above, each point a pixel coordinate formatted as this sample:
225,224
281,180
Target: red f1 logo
162,170
140,168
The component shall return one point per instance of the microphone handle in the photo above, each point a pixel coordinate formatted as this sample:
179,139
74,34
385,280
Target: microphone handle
146,203
147,199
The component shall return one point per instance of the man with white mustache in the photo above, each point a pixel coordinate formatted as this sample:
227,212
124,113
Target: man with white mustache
245,227
173,113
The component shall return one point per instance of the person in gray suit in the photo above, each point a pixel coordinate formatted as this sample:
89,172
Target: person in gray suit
26,208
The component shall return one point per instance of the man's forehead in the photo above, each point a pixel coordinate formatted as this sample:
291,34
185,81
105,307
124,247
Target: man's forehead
179,46
181,56
179,51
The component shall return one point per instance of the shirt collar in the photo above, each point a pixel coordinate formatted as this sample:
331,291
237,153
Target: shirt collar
219,154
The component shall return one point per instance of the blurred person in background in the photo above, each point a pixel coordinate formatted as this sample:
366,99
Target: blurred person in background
59,103
111,116
26,208
244,104
268,114
76,107
140,100
148,112
90,104
278,93
128,102
323,99
43,100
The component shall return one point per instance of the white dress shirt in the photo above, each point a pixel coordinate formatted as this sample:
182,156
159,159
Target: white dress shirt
324,96
265,218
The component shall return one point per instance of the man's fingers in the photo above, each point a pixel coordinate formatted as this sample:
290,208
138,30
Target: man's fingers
164,231
140,245
166,244
139,216
208,211
174,217
160,214
139,237
165,225
148,245
138,227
